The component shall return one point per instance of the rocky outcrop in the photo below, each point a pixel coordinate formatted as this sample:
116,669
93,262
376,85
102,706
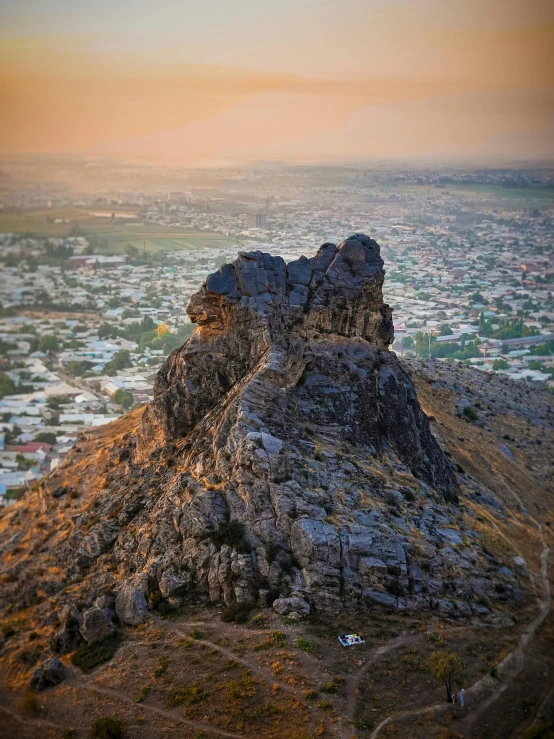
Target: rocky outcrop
130,604
288,366
285,460
257,302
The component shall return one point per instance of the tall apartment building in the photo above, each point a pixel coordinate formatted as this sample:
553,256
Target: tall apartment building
256,220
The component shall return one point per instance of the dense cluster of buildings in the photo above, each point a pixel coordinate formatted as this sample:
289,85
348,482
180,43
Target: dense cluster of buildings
83,334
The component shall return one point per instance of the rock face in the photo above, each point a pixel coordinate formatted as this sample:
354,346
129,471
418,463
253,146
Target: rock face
130,604
262,321
288,369
257,303
285,461
96,626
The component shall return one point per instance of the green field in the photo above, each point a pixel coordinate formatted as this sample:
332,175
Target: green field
492,196
117,234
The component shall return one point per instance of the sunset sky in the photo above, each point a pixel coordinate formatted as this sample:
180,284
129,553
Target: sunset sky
214,81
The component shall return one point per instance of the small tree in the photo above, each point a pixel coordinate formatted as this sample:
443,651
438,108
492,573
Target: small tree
162,329
7,386
48,343
123,398
446,668
75,369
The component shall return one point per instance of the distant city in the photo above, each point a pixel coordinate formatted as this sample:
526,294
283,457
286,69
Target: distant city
99,263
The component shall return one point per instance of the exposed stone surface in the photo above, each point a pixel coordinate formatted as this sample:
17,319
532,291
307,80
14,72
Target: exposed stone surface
294,607
96,626
130,604
47,675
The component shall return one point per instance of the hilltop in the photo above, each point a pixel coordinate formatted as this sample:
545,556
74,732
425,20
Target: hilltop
293,474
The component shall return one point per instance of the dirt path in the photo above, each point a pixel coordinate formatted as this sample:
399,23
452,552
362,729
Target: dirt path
339,728
488,689
34,721
251,665
82,683
353,682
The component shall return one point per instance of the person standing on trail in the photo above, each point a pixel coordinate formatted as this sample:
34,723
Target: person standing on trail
454,698
462,697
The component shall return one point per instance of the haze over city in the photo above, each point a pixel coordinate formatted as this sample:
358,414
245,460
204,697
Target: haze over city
203,84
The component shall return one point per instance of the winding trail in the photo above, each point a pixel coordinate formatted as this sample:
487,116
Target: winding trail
80,683
353,682
35,721
251,665
488,689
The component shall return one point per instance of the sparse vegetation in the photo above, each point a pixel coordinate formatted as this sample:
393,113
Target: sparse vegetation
187,695
143,695
161,669
275,639
306,645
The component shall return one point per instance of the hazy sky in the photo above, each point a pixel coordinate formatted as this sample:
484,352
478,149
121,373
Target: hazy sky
218,80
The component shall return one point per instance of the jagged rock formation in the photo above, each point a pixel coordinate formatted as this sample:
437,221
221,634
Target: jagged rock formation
261,321
285,460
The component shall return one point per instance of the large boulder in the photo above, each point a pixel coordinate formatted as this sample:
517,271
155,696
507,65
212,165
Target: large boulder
96,626
174,584
67,639
49,674
130,604
294,607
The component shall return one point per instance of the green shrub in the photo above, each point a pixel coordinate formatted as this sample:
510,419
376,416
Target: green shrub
197,634
331,687
237,612
89,656
363,724
107,728
70,734
306,645
143,695
470,413
311,695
